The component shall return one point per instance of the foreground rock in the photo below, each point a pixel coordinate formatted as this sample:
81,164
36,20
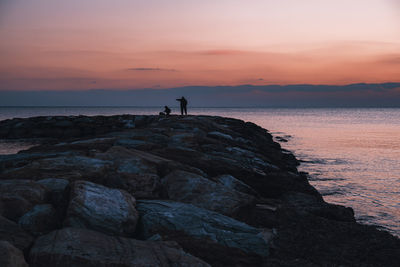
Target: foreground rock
135,171
65,166
40,220
103,209
57,189
17,197
81,247
200,231
191,188
10,256
14,234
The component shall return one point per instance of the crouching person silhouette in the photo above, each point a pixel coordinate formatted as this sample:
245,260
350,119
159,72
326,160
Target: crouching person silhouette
166,111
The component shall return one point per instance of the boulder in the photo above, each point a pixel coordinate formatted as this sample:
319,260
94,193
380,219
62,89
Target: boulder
135,171
234,184
54,185
315,205
219,135
201,231
191,188
71,167
82,247
13,233
40,220
10,256
57,189
100,208
19,196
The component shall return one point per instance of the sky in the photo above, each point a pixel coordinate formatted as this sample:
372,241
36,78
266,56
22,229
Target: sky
130,44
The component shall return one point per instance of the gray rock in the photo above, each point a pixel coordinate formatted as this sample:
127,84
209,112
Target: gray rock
136,171
40,220
100,208
191,188
175,219
68,166
220,135
241,152
10,256
235,184
93,141
82,247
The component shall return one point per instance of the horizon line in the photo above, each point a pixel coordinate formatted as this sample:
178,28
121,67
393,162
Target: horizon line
207,86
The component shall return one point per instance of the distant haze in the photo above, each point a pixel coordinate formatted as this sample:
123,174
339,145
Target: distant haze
353,95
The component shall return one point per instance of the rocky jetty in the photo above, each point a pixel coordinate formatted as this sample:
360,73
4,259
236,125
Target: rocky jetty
169,191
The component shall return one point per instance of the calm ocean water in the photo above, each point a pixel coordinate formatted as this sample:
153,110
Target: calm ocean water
352,155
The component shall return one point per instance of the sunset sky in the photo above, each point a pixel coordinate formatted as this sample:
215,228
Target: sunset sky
129,44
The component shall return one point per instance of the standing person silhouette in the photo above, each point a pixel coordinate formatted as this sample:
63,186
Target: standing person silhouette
183,103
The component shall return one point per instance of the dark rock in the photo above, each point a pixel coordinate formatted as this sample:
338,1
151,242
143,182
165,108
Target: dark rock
40,220
204,193
173,220
57,189
63,124
10,256
220,135
315,205
135,144
281,139
100,208
72,167
54,185
234,184
135,171
81,247
19,196
99,144
13,233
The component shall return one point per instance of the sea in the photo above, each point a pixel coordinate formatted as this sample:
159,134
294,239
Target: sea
352,155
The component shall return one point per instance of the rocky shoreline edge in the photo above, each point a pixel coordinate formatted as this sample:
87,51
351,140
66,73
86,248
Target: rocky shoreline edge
138,190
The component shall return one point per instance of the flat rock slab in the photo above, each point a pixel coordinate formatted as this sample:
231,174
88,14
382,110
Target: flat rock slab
231,182
194,189
69,166
102,209
174,218
10,256
82,247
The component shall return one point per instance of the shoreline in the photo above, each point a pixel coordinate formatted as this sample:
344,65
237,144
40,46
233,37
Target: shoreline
273,195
